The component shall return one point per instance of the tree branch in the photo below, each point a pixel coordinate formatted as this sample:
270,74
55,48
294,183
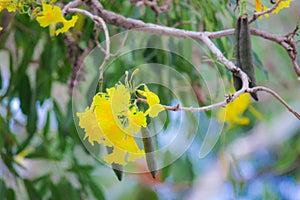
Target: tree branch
229,98
128,23
100,22
274,94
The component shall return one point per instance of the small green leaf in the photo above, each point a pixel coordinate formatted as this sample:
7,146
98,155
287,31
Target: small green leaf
259,64
165,172
43,84
31,191
97,190
47,125
25,93
11,194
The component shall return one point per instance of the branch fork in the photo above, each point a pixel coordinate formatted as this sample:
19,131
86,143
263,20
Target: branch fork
102,16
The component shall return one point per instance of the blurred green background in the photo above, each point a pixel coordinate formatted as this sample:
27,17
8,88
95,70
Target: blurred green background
43,157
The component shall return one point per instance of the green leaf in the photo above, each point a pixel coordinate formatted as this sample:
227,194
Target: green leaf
1,81
11,194
146,194
47,125
97,190
8,161
65,190
259,64
31,191
32,118
25,93
43,84
2,132
31,126
2,189
165,172
182,170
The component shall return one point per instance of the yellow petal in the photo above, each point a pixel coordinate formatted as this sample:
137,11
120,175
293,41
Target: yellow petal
67,25
88,122
258,6
151,97
139,119
242,120
282,4
155,110
232,114
120,99
117,157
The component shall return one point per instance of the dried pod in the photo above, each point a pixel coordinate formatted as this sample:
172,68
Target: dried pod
244,54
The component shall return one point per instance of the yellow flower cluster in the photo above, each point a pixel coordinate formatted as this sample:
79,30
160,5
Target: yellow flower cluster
283,4
11,5
233,113
113,120
50,15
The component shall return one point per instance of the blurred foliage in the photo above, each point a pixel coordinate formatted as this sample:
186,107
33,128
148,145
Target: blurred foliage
38,132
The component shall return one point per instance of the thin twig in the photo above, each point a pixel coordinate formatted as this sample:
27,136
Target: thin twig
229,98
98,20
72,4
104,51
96,39
274,94
153,5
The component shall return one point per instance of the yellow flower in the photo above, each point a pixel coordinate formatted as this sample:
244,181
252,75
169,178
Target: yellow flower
153,101
11,5
51,16
232,114
282,4
111,121
260,8
113,118
1,28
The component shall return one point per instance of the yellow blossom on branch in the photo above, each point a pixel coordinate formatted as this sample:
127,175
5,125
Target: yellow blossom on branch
52,16
260,8
232,114
113,119
282,4
11,5
153,101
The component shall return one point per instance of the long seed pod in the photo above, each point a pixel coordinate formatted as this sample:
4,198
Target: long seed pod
245,50
118,169
149,150
237,82
244,53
